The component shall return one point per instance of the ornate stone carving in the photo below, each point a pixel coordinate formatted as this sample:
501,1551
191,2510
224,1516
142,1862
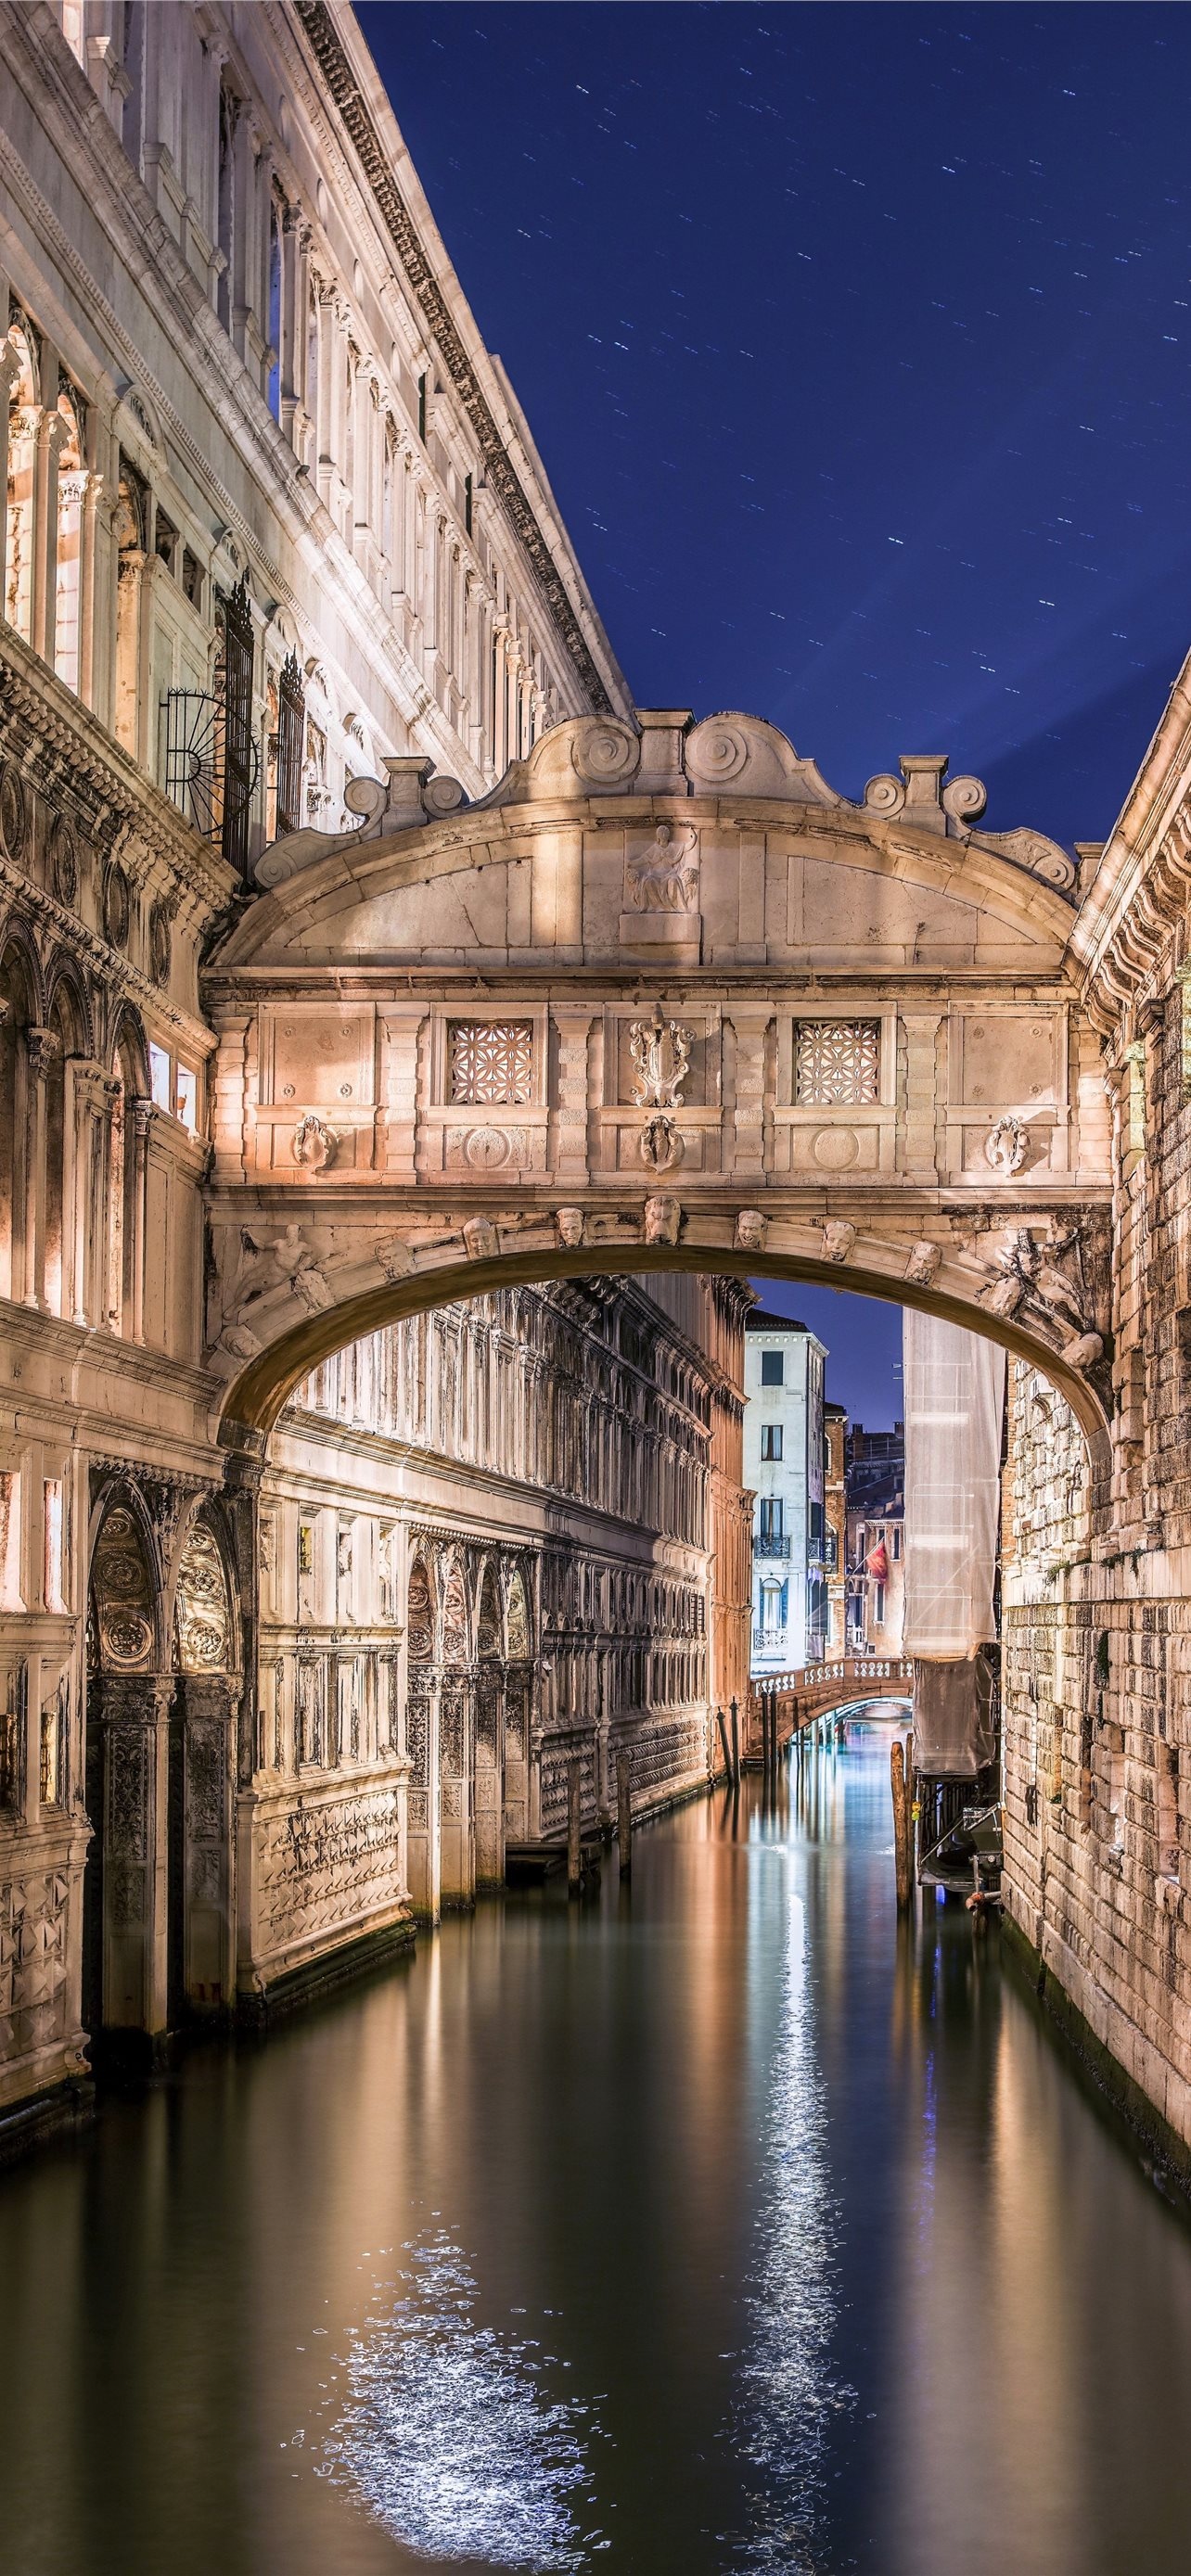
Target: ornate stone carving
660,1145
62,864
838,1240
204,1619
1006,1145
491,1062
1044,859
923,1264
315,1144
116,905
13,813
395,1257
1049,1277
663,1220
661,1053
751,1230
665,876
161,940
569,1222
480,1239
123,1593
837,1063
489,1149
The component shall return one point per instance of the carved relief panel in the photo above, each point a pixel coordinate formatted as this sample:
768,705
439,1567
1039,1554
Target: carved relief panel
1007,1092
484,1107
662,1090
835,1113
317,1087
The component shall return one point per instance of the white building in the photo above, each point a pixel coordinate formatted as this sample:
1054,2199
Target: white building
784,1455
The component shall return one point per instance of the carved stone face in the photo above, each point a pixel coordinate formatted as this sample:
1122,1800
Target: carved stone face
569,1222
838,1239
751,1230
663,1218
480,1239
923,1263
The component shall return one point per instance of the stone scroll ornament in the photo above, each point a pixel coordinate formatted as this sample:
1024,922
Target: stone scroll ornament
664,877
315,1144
661,1145
1006,1145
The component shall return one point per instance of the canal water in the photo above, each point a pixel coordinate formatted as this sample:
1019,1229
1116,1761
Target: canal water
709,2227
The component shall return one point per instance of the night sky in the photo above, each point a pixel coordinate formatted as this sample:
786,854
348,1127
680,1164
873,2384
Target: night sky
855,343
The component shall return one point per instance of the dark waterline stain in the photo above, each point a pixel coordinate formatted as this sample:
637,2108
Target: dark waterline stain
715,2226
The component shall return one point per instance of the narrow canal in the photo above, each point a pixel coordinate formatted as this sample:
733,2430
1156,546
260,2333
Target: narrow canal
701,2229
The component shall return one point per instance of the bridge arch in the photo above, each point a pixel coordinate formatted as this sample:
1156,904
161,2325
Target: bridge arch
663,999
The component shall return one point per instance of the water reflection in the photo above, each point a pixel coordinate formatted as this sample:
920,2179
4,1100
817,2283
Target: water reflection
789,2387
703,2158
447,2432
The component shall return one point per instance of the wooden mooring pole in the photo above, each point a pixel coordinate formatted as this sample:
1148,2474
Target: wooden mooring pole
901,1824
574,1827
735,1710
624,1812
722,1725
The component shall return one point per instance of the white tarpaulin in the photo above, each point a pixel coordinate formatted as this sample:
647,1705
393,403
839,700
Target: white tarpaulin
954,1385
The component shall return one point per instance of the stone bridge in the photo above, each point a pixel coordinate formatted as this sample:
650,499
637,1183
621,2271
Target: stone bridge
800,1697
663,998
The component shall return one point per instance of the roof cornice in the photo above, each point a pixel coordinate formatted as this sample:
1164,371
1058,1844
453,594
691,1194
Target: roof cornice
330,53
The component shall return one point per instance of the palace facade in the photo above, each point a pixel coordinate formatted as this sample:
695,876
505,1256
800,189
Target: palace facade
274,527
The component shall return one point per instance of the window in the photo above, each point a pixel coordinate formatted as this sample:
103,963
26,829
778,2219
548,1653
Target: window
422,409
816,1524
159,1078
771,1440
897,1541
773,1368
186,1097
879,1605
837,1062
491,1061
467,503
291,706
772,1519
53,1594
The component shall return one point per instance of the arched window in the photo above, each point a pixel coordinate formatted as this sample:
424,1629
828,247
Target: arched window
17,1014
66,1040
274,386
130,540
72,485
130,1072
19,504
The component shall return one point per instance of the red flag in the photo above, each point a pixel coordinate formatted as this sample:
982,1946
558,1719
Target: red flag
877,1562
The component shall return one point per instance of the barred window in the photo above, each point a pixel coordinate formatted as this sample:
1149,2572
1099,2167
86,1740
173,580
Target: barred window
491,1061
837,1062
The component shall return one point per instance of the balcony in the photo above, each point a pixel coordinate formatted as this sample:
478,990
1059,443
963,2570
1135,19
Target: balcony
768,1641
768,1544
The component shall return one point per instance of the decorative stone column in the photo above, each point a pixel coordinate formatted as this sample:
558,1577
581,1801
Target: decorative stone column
41,1046
744,1151
209,1718
10,376
51,438
456,1834
142,1120
134,1719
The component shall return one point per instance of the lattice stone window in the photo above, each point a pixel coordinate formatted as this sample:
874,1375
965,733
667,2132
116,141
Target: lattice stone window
491,1061
837,1063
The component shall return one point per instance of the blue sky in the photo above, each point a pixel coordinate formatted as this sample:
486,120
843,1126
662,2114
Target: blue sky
855,342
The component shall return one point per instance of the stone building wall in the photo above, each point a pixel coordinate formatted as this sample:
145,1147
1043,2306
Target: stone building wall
272,520
487,1547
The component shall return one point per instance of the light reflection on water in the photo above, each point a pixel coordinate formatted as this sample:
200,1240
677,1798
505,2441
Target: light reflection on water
700,2159
448,2434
